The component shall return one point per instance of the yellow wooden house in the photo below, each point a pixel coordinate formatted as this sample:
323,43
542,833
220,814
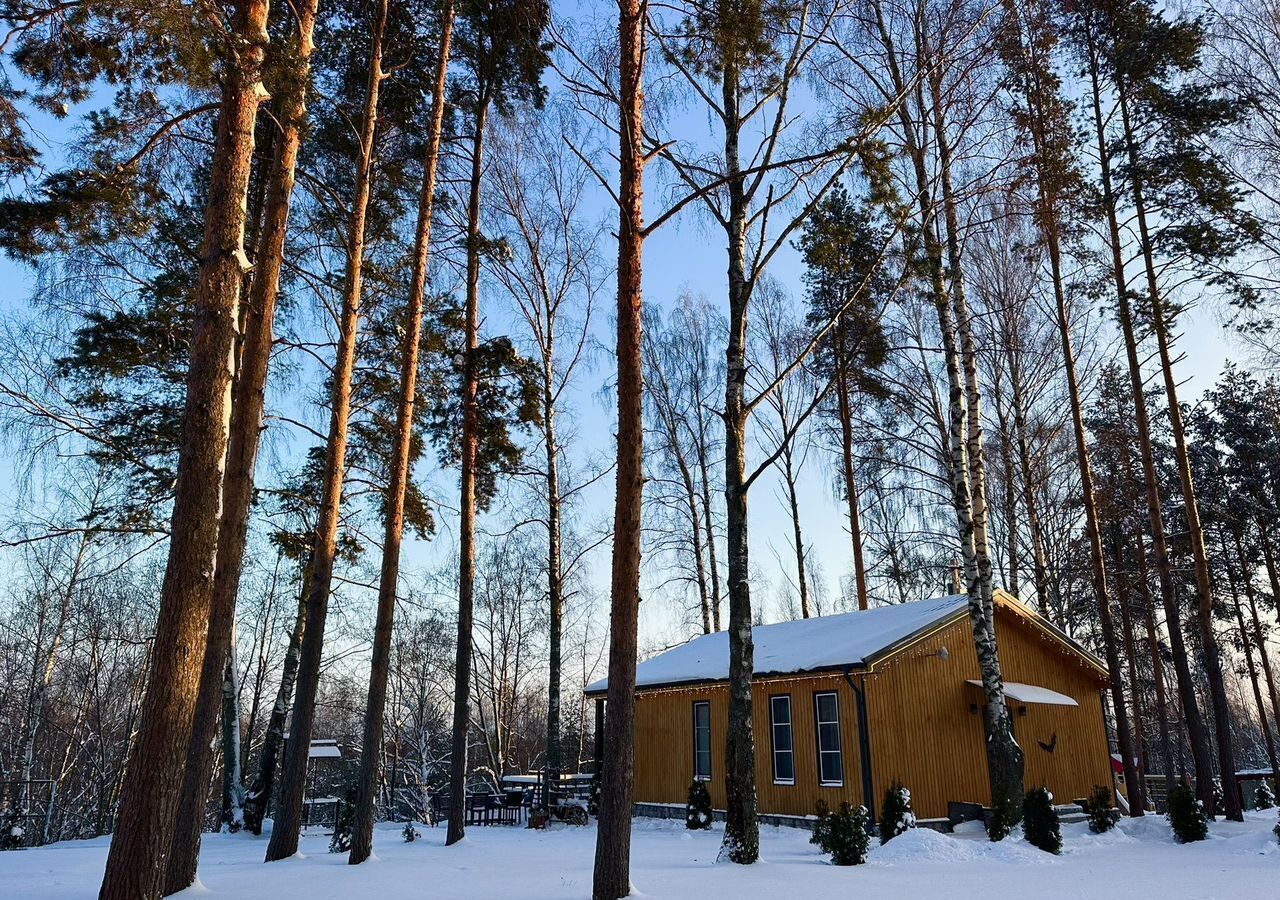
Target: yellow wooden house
845,704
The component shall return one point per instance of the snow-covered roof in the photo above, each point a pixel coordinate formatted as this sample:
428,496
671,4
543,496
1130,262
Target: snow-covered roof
1032,693
803,645
325,749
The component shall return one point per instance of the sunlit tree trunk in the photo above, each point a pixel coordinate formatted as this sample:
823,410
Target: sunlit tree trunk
612,875
467,501
1196,732
249,399
1210,649
288,822
151,788
393,532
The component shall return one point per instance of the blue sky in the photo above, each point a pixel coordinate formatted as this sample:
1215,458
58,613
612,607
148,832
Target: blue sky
686,255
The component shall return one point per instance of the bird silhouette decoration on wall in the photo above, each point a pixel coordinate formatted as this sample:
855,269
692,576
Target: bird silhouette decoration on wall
1051,746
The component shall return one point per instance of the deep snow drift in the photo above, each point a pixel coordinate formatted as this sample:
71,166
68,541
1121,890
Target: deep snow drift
1138,861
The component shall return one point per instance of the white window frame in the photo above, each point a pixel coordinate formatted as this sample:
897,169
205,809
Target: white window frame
699,776
774,725
818,722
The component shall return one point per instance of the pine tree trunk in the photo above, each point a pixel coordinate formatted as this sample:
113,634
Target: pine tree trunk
151,789
293,774
1269,559
1267,737
1049,225
742,829
1135,695
1197,735
258,798
845,413
1157,663
1259,637
612,873
389,577
249,399
1204,586
467,503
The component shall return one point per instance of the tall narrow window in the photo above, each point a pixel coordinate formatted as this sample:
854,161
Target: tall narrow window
784,760
830,759
702,740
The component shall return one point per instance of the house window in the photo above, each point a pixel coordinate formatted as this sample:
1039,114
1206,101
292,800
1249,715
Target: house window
784,761
830,759
702,740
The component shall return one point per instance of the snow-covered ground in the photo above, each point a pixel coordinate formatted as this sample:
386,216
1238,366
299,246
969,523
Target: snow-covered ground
1139,861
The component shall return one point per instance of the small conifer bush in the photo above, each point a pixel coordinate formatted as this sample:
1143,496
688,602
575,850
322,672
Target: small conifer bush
12,834
1264,797
1219,801
697,812
1186,815
593,798
842,833
1102,816
341,840
896,815
410,833
1040,821
1277,830
1004,816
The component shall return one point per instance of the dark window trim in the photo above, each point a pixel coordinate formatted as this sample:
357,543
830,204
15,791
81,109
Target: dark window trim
817,737
697,776
773,743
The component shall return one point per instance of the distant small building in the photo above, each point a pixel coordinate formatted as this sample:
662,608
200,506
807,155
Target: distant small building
845,704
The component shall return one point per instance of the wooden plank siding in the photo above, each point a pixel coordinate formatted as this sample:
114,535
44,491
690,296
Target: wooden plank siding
922,728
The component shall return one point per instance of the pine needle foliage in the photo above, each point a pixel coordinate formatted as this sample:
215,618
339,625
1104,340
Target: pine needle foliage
842,833
1004,816
1186,815
1102,815
697,812
1264,797
1040,821
896,815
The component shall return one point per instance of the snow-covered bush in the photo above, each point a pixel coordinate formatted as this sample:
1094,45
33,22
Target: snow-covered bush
1264,797
843,833
1219,801
341,840
1004,816
12,834
593,796
1186,815
410,833
697,812
1102,815
1040,821
895,814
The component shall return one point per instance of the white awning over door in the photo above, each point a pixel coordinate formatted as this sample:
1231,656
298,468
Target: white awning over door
1031,693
